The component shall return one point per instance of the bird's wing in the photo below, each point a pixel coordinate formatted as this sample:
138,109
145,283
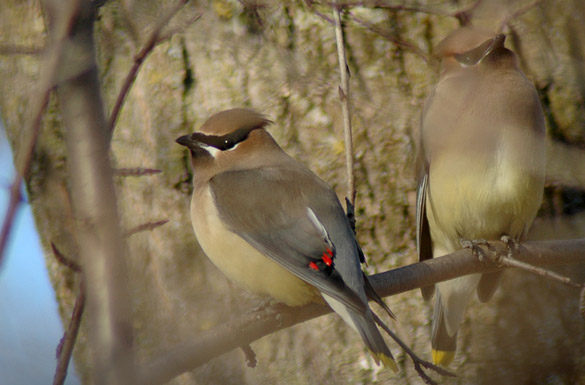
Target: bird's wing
424,244
268,207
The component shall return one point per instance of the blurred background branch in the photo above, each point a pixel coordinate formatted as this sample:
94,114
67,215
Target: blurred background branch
98,232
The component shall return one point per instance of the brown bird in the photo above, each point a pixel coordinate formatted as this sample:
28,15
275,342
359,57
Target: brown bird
481,165
270,224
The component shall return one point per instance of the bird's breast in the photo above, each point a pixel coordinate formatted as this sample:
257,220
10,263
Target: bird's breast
484,195
241,262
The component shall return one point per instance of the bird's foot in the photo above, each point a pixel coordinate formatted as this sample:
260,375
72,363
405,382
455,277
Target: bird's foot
474,246
511,244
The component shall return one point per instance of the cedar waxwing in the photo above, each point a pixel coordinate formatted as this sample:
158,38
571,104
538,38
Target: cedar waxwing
270,224
481,165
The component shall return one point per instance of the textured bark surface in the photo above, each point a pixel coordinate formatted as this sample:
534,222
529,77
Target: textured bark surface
280,59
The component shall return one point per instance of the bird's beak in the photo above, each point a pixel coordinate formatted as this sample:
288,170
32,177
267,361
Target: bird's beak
187,141
497,42
474,56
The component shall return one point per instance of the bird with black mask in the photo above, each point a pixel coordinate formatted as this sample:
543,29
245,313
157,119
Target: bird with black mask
273,226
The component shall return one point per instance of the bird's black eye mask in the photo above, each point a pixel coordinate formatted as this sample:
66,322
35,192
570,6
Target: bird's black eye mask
474,56
224,142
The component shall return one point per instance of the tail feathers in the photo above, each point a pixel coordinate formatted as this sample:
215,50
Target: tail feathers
366,327
374,296
442,357
427,292
443,344
488,284
388,362
371,336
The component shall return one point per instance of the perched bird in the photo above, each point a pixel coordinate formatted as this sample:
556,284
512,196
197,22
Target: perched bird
270,224
481,165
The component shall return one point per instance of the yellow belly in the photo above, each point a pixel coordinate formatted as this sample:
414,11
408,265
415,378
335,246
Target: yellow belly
241,262
478,201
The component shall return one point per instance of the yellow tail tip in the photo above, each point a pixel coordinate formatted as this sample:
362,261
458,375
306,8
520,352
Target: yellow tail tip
388,362
442,357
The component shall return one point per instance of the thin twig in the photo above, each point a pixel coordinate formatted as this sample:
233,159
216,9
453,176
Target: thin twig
65,348
518,13
345,104
511,262
138,171
507,260
398,42
149,226
582,303
310,4
20,50
170,32
33,124
385,5
64,260
151,42
466,15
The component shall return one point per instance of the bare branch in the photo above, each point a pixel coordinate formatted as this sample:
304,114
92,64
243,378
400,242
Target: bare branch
466,15
582,303
254,325
65,348
101,247
517,14
64,260
507,261
463,262
172,31
151,42
67,343
345,105
310,4
398,42
149,226
385,5
138,171
20,50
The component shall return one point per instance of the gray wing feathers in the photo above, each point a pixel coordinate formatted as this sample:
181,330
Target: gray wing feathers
273,217
423,233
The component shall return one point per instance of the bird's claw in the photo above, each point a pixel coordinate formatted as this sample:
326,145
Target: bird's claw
511,244
474,246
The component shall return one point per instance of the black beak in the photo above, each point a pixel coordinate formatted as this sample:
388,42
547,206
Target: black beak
187,141
497,42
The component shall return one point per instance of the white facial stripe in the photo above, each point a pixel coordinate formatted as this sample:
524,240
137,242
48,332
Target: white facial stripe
210,149
214,151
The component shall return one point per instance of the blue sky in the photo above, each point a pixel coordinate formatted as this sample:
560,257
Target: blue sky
30,327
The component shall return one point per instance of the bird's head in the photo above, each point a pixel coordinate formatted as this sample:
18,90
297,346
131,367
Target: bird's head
230,139
469,46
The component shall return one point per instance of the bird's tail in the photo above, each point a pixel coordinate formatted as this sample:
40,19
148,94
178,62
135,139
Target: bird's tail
443,345
372,337
365,325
